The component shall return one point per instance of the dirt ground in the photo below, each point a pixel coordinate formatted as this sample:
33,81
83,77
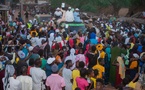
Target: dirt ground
25,20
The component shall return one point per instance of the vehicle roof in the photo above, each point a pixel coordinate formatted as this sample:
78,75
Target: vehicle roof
43,15
73,23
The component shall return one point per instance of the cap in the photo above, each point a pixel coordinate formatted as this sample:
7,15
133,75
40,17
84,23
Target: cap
58,9
50,60
54,68
31,48
30,21
136,55
69,7
77,9
57,30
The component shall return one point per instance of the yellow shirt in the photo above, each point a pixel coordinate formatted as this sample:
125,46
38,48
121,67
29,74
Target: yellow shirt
94,80
78,41
100,69
132,45
132,85
75,74
67,38
102,54
17,60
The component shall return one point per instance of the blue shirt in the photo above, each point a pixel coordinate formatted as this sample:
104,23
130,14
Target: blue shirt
92,35
77,17
24,36
139,48
93,41
142,66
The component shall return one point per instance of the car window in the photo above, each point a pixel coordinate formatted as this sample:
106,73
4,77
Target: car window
44,18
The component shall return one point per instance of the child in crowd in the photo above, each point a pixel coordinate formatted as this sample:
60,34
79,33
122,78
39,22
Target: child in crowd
99,66
91,80
81,81
99,84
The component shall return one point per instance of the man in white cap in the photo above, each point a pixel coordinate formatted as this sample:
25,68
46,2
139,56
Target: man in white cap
58,13
69,15
77,15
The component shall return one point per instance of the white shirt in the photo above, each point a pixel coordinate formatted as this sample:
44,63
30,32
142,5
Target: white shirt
34,41
127,40
58,13
26,82
69,16
37,76
39,40
51,38
10,18
67,75
28,36
14,84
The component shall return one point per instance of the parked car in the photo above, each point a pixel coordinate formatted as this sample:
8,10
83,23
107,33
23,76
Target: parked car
42,17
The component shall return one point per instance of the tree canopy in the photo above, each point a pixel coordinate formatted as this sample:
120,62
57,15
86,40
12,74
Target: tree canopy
93,5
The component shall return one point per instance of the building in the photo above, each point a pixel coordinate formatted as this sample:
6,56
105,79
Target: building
35,1
42,1
3,12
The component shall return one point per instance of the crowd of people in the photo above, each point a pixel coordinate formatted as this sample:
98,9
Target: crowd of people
46,57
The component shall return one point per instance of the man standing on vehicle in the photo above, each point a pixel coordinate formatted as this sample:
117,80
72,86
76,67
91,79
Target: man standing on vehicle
77,16
58,13
69,15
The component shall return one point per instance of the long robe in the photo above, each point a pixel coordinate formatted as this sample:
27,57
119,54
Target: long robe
115,52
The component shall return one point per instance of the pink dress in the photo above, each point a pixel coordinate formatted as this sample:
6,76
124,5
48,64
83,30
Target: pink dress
81,57
82,39
81,83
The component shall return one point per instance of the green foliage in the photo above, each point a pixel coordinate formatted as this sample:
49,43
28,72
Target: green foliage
91,5
88,7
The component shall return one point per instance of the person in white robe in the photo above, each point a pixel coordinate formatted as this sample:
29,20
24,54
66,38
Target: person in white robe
67,75
25,80
69,15
72,57
38,76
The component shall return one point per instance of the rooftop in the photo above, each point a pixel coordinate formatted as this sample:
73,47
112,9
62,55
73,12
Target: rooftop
4,7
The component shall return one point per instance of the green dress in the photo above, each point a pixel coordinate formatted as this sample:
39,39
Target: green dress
115,52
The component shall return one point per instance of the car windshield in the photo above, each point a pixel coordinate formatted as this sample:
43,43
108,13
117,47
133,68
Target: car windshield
44,18
75,27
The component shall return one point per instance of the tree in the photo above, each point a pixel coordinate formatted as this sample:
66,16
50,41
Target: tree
91,5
